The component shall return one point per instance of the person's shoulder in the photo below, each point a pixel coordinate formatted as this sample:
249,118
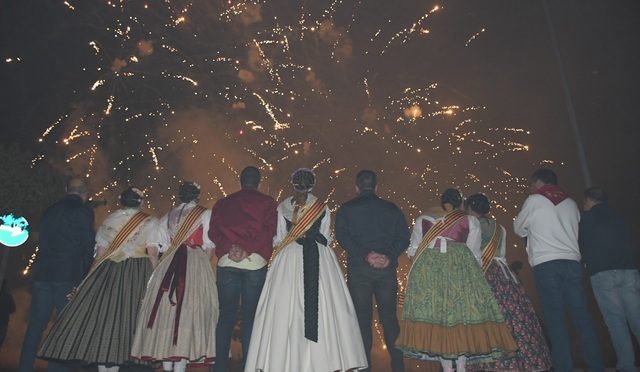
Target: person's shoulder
266,200
153,218
603,212
75,202
426,217
266,196
285,203
472,221
536,198
350,202
569,203
389,204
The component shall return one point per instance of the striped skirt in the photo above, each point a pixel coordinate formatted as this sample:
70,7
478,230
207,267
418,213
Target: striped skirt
98,324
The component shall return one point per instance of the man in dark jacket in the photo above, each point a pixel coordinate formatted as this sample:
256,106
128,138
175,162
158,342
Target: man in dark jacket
374,232
610,256
65,253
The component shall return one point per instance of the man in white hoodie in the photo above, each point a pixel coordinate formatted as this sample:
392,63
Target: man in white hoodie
549,221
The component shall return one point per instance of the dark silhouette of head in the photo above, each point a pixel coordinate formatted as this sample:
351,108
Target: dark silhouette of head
478,203
131,197
366,180
596,194
546,176
78,186
250,177
303,180
451,196
188,191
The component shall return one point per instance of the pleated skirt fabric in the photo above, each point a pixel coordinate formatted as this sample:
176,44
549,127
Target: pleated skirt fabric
196,333
278,340
450,311
98,324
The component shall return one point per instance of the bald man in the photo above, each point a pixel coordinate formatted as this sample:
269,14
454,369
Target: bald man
65,253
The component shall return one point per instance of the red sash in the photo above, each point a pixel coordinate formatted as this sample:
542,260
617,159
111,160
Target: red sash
552,192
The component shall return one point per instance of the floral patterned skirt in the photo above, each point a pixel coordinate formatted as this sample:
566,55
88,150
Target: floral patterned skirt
450,311
533,353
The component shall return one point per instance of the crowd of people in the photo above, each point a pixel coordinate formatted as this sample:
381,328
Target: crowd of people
142,290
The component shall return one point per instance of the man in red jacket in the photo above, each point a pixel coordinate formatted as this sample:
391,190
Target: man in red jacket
242,227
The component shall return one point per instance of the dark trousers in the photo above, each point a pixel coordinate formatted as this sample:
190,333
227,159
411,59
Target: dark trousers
364,283
45,296
234,284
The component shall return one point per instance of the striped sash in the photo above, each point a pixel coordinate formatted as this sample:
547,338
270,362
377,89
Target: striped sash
490,249
121,237
438,228
190,221
301,227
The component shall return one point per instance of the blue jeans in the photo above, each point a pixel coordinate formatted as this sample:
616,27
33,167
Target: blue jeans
618,296
364,283
45,296
233,284
559,283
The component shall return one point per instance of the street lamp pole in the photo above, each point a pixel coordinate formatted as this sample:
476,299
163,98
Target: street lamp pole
586,175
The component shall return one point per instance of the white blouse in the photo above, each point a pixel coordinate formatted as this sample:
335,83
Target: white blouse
285,211
170,224
474,238
139,238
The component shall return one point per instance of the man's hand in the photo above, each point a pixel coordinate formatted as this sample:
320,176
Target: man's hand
377,260
71,295
237,254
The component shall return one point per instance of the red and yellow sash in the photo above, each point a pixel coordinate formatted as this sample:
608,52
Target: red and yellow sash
438,228
301,227
121,237
490,249
190,221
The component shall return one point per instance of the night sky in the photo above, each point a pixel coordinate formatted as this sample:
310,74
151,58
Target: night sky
430,95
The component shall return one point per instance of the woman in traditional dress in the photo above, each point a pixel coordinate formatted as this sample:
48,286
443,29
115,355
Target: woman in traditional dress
305,319
533,353
97,326
179,313
449,311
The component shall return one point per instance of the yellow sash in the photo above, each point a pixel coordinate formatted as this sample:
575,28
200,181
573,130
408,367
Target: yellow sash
190,221
490,249
121,237
438,228
301,227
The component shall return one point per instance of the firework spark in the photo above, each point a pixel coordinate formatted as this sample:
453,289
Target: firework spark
189,90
